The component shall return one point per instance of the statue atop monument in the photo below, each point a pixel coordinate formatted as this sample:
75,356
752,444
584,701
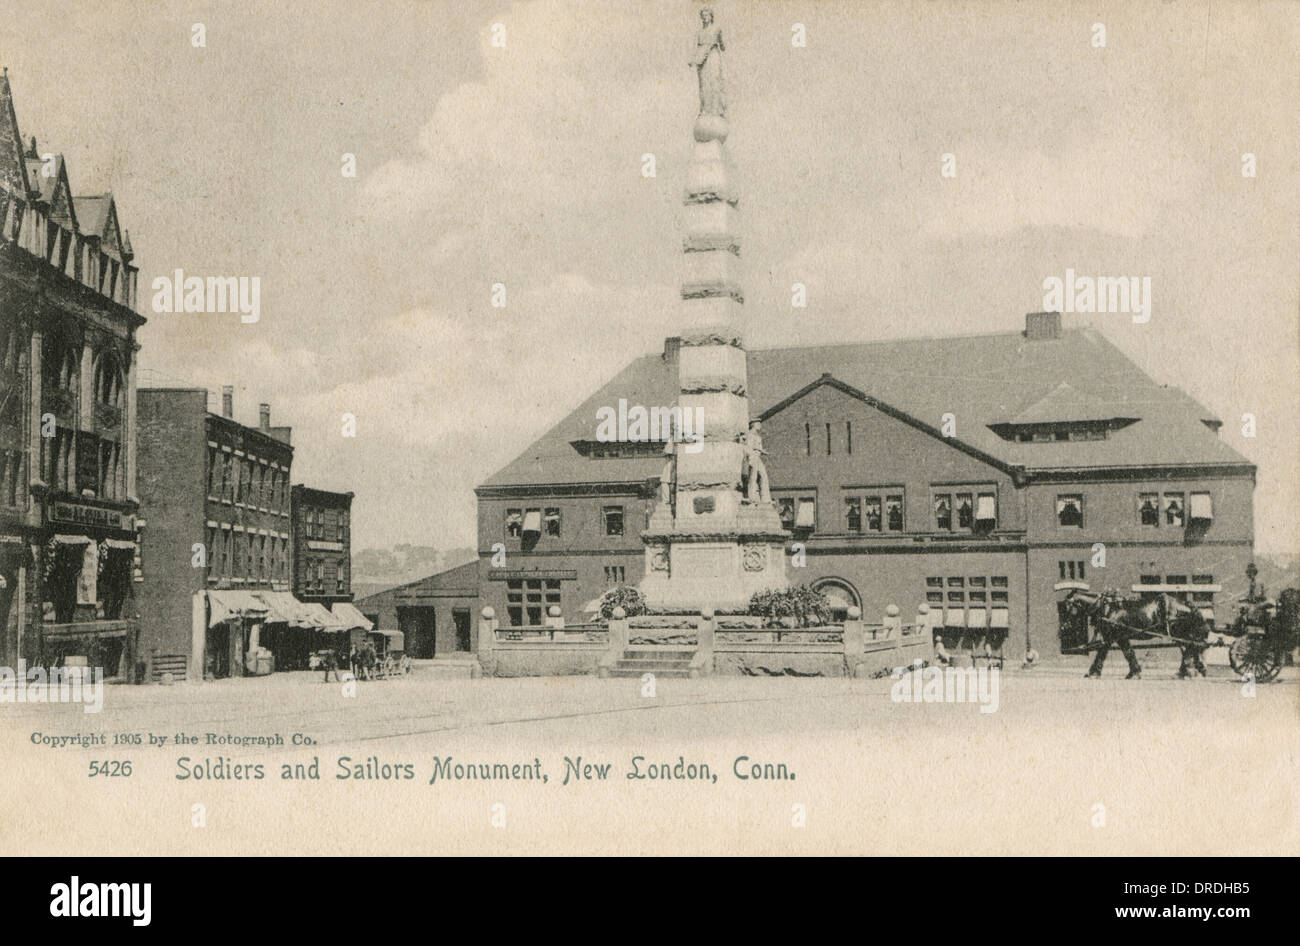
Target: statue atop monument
708,64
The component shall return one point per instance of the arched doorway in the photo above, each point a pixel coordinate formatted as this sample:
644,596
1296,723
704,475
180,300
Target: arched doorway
841,595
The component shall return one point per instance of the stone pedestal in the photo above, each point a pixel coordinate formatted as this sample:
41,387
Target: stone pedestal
718,564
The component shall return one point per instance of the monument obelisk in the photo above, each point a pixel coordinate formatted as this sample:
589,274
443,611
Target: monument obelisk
715,537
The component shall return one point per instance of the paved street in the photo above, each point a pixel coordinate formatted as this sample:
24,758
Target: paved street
1064,765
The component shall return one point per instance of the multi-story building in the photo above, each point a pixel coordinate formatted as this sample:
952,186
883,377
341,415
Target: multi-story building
216,497
971,474
322,545
67,415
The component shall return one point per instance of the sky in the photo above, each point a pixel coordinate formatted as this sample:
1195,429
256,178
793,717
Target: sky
521,164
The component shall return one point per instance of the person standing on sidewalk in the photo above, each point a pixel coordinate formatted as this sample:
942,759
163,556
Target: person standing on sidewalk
331,664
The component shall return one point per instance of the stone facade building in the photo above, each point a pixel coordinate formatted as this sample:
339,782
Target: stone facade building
216,494
68,354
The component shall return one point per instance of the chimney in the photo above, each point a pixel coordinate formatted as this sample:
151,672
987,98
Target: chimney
1042,326
672,347
228,400
264,416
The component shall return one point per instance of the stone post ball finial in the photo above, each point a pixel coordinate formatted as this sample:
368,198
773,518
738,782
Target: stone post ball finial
706,612
553,611
892,611
923,609
489,612
618,614
854,612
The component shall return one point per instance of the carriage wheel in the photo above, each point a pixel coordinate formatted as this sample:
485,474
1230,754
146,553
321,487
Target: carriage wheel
1253,654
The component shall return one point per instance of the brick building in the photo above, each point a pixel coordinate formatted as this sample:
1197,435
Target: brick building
1057,449
67,415
435,615
209,484
322,545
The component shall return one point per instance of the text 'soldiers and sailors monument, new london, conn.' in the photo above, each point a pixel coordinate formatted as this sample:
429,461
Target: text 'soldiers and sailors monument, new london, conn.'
1061,444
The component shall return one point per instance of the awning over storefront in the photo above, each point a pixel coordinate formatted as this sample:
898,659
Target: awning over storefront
284,608
72,539
1202,507
533,521
807,514
986,509
323,619
954,617
1001,618
229,605
979,617
347,612
396,639
125,544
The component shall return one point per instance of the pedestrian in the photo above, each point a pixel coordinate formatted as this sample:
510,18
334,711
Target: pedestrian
331,664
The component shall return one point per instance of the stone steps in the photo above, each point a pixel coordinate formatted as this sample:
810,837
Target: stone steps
666,662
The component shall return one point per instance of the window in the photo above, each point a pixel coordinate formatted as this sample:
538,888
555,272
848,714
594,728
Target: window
828,439
965,511
848,436
1173,508
514,523
853,513
614,575
807,515
527,600
875,521
943,512
785,508
975,601
1203,597
960,511
340,520
1069,511
878,511
1149,509
613,517
807,438
1071,570
552,518
894,512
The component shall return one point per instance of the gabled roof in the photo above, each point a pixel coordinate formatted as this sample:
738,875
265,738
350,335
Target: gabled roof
98,218
982,380
13,166
1066,404
460,580
56,191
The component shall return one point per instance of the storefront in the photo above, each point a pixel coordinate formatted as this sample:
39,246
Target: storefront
232,634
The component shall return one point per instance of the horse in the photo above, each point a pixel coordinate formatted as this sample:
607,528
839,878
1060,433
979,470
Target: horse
1117,619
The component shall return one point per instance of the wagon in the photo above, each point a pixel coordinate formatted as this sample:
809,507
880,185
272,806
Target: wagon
1266,632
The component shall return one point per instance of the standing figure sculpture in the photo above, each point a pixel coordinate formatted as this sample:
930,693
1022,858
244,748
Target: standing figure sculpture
707,62
755,472
666,477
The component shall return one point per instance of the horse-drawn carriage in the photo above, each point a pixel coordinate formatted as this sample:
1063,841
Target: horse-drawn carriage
1265,631
1093,622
